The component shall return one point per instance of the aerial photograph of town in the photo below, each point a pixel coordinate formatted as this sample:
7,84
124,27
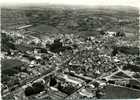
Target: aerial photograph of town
59,52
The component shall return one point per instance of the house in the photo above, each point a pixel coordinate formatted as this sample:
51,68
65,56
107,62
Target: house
110,33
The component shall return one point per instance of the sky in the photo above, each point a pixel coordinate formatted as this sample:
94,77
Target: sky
134,3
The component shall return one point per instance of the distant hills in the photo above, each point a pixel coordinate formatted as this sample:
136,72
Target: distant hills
70,19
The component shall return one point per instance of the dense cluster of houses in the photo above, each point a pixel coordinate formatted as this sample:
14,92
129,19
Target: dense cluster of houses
91,58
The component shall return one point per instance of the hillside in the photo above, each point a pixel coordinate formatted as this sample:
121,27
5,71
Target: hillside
65,20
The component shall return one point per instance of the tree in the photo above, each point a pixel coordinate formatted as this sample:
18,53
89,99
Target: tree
56,46
53,81
28,91
7,42
36,88
115,51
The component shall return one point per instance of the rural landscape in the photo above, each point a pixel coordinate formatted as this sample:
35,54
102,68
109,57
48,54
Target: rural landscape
59,52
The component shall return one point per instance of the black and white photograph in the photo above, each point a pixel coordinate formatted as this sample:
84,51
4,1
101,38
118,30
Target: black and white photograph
53,51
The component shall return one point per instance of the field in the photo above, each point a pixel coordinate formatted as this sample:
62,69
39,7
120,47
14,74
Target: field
113,92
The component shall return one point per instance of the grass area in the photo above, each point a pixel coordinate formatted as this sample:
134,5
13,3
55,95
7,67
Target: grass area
115,92
130,67
136,76
134,82
10,67
43,28
10,64
129,50
121,74
24,48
